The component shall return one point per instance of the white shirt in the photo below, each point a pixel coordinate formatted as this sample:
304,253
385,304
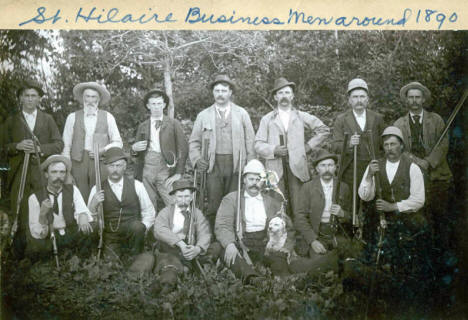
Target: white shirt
328,192
30,119
90,119
255,214
360,119
178,223
416,199
226,110
154,136
148,213
420,116
284,117
40,231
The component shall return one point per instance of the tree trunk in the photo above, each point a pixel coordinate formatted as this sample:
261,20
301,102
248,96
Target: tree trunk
168,87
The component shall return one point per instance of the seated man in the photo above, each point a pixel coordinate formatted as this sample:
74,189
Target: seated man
172,227
128,211
62,207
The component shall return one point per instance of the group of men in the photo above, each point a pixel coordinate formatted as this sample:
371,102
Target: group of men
405,172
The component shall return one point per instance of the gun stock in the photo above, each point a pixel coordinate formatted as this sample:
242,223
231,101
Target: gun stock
19,199
286,179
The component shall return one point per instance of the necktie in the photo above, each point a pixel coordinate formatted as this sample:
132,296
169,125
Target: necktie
55,209
416,119
186,214
222,114
157,124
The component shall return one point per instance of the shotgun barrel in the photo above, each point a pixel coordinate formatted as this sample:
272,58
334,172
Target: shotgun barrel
100,213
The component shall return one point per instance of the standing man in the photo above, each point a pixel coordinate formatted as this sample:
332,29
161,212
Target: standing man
85,127
17,141
229,131
290,123
128,211
421,129
161,148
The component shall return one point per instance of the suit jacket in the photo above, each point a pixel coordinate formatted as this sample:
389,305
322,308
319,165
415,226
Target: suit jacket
432,127
45,130
225,225
345,122
310,205
271,128
243,135
171,140
165,222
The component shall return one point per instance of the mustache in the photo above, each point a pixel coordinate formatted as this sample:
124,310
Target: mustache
58,179
284,99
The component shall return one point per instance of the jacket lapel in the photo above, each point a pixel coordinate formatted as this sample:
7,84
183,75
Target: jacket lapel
278,123
39,121
407,131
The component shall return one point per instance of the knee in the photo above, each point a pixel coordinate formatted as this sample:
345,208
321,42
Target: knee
137,227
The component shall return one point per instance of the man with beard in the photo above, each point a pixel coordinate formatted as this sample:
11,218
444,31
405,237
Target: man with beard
63,209
291,124
85,127
229,132
128,211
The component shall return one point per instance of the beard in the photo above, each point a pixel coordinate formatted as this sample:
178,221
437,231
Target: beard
327,175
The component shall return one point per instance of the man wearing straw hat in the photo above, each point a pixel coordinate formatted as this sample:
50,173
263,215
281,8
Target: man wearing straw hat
85,127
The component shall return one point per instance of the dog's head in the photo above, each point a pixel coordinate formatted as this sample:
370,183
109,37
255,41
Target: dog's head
277,226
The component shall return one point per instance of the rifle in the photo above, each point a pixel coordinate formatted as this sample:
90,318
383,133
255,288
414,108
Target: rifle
100,213
239,233
354,183
285,179
204,151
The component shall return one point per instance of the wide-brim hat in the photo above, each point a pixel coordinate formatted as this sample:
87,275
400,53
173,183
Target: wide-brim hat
222,78
156,91
281,83
56,158
182,184
30,84
113,154
323,155
415,85
103,93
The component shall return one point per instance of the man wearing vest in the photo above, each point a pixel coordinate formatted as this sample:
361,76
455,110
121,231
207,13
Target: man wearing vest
161,148
229,131
85,127
64,207
291,124
128,211
421,129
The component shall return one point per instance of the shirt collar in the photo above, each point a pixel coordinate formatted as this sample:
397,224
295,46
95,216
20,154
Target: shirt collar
362,116
286,112
258,196
89,111
32,115
327,184
414,114
226,109
116,184
154,119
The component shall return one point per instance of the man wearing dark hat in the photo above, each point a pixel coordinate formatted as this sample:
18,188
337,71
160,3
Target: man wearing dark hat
171,228
421,129
17,141
64,209
161,148
292,124
128,211
230,134
85,127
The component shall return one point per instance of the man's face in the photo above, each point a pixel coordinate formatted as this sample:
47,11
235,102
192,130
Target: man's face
222,93
91,98
156,106
358,100
414,100
183,198
253,183
326,169
116,170
29,99
393,148
56,174
284,97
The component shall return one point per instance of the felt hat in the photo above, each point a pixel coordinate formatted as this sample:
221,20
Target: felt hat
56,158
415,85
222,78
29,84
182,184
103,93
113,154
254,166
281,83
160,92
323,155
357,84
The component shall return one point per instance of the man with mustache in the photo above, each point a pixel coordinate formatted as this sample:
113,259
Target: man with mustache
229,131
292,125
85,127
128,210
64,209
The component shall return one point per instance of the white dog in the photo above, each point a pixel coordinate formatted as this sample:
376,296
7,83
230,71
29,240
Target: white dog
277,236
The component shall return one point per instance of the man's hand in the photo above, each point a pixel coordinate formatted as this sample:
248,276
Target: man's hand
202,165
140,146
424,164
335,210
83,223
97,199
46,208
26,145
171,180
385,206
191,252
318,247
373,167
281,151
230,254
354,140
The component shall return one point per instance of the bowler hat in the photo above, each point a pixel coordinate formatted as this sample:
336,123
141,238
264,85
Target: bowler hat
357,84
56,158
281,83
29,84
415,85
81,87
160,92
113,154
182,184
222,78
323,155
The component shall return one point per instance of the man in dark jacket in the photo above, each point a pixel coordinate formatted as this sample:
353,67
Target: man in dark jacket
161,148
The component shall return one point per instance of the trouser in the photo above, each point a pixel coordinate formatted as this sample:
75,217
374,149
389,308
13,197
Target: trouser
348,179
155,174
294,185
84,174
220,181
127,235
